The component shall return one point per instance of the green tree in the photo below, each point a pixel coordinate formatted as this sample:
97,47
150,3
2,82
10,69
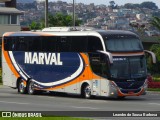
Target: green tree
154,68
156,22
56,20
149,5
131,6
60,19
112,4
35,26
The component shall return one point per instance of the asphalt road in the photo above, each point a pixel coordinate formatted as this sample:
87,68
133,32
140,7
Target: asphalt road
10,100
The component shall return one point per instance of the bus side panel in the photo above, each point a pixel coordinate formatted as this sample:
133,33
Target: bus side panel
73,87
8,78
104,87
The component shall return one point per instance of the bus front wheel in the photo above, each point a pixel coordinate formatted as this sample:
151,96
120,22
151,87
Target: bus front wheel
86,91
30,88
21,87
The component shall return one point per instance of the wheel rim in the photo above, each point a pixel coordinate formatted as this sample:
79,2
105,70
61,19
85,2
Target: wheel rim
87,91
31,86
21,87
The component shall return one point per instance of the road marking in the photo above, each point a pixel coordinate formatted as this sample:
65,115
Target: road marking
14,102
154,103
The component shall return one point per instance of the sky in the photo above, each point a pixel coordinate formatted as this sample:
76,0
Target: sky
106,2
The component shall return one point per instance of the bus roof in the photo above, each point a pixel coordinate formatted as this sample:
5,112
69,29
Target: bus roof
67,31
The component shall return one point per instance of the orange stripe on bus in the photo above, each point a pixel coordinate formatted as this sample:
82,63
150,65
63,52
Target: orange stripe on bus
134,94
8,34
29,32
8,60
86,75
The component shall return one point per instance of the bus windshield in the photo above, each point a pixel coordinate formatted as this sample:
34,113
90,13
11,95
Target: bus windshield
123,44
128,67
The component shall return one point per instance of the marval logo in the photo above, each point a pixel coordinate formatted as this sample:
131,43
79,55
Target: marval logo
42,58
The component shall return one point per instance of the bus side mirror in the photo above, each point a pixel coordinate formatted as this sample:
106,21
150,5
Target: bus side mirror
108,54
152,55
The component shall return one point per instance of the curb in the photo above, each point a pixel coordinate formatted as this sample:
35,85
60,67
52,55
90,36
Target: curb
153,92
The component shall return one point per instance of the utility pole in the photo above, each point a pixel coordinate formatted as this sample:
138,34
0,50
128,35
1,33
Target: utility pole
73,13
46,13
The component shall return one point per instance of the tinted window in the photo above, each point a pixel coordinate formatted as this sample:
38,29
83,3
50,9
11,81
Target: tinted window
30,43
34,43
8,43
48,44
64,44
122,43
79,44
99,64
94,44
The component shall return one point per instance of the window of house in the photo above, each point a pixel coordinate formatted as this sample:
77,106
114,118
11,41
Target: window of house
13,19
4,19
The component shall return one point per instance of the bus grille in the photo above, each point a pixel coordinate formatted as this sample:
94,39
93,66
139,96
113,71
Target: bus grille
130,85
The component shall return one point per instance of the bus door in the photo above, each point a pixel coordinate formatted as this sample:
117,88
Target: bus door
96,69
99,65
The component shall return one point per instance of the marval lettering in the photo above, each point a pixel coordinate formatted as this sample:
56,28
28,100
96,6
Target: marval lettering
42,58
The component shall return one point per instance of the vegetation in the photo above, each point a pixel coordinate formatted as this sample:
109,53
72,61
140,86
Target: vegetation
62,20
154,89
156,22
58,19
36,26
149,5
154,68
156,77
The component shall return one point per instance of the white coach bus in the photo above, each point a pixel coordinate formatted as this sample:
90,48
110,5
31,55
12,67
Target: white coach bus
87,62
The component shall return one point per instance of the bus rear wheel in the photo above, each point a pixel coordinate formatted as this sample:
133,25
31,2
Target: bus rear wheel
21,87
86,91
30,88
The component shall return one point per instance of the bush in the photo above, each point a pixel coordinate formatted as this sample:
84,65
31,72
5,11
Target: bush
154,68
152,83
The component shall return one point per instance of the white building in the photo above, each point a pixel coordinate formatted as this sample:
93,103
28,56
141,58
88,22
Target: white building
9,20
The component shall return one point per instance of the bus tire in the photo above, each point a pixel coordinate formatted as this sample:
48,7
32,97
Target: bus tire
21,87
86,91
30,88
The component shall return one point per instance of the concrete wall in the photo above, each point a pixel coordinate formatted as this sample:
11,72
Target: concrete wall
9,28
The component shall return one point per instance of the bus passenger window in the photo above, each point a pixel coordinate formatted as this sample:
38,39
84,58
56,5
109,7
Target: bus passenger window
79,44
21,44
49,43
64,44
34,43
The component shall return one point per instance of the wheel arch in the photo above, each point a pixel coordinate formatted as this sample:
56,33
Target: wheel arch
83,84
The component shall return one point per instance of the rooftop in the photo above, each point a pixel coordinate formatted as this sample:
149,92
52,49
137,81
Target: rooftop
9,10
